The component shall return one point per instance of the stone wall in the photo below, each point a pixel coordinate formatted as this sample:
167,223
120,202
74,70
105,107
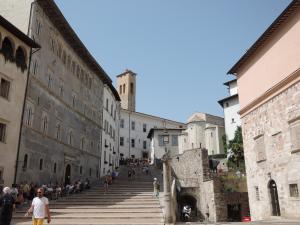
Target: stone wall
270,154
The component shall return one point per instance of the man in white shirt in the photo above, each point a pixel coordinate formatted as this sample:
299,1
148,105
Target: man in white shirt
39,208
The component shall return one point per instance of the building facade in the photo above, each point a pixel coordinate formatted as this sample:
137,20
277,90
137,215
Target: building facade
271,117
163,141
15,52
61,131
231,109
110,131
203,131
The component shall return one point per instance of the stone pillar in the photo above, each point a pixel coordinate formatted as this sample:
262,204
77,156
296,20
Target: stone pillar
167,191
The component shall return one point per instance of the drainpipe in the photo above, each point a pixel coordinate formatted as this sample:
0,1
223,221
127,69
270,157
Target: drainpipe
25,95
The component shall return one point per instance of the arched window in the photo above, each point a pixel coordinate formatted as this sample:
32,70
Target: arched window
80,170
90,171
64,57
70,137
29,116
124,89
58,131
41,164
25,161
82,143
7,49
21,59
54,168
44,124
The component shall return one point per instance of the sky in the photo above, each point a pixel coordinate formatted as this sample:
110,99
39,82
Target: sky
181,50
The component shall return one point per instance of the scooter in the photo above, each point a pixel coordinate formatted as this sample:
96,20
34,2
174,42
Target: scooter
186,213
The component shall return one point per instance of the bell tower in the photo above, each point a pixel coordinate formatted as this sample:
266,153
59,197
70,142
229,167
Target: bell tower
126,86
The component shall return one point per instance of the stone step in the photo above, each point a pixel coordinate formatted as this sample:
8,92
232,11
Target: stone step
101,210
109,197
108,200
83,207
102,221
100,215
104,203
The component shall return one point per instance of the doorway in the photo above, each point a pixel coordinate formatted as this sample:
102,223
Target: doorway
68,174
274,198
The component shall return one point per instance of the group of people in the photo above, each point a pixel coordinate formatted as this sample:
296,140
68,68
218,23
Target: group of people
39,207
19,195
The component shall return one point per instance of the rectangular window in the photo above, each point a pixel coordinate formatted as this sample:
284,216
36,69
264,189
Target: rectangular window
121,141
122,123
163,140
132,143
104,155
132,125
257,193
2,132
259,147
295,134
294,190
144,144
174,140
4,88
144,127
106,105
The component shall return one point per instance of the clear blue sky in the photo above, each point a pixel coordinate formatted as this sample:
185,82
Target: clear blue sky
180,49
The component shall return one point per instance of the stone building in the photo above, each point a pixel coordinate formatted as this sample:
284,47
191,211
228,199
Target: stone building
135,126
64,101
268,77
15,53
231,108
110,132
194,184
203,131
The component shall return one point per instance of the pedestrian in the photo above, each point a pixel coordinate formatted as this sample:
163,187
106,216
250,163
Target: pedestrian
129,174
106,184
39,208
7,204
156,187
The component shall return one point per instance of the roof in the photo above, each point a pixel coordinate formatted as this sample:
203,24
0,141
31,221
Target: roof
226,99
62,25
155,117
127,71
230,81
151,131
281,19
19,34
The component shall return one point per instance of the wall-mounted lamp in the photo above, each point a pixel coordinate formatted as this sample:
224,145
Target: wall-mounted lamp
269,175
177,158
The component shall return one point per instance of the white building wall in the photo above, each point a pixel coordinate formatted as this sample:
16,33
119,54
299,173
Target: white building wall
110,132
138,134
231,117
233,88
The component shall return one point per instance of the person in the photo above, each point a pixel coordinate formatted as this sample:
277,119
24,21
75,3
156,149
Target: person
106,184
39,208
156,187
7,202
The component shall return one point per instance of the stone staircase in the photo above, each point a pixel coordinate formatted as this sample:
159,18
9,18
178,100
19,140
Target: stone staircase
126,202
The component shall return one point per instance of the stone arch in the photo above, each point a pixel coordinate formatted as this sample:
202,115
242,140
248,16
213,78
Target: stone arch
21,58
7,49
188,199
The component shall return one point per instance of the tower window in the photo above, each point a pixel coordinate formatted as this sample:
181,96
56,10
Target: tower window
123,88
131,88
120,89
41,164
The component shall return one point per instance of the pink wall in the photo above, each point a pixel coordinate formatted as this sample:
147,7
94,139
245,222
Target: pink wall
275,61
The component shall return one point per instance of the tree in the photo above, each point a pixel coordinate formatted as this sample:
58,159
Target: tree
236,147
224,141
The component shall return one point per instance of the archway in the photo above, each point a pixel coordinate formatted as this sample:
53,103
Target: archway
68,175
188,200
274,198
